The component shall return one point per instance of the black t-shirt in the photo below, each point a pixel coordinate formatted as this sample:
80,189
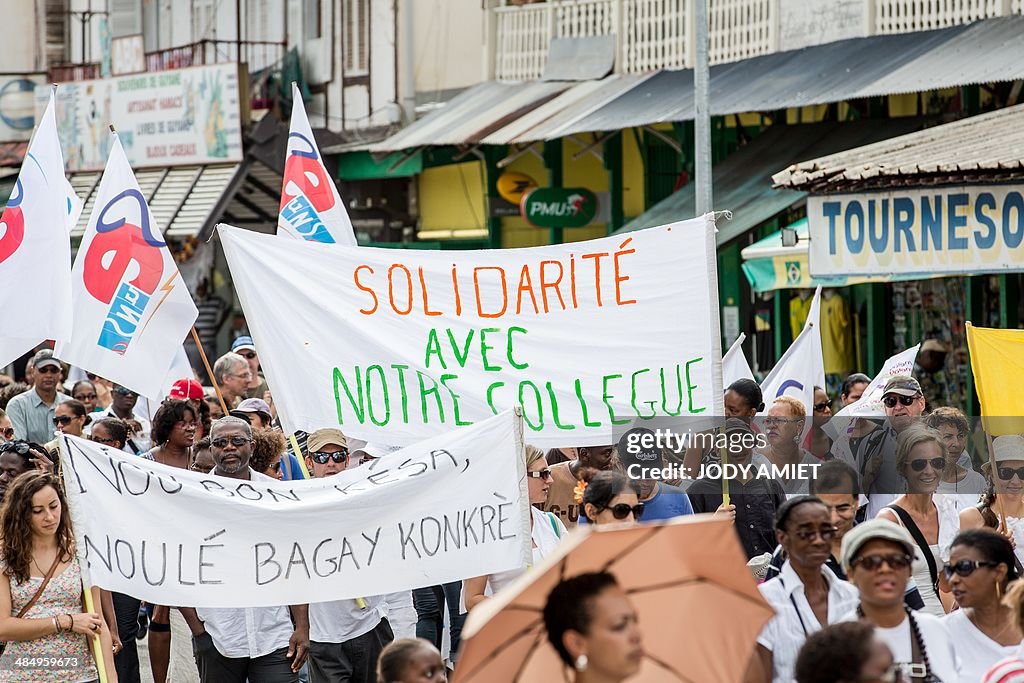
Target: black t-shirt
756,503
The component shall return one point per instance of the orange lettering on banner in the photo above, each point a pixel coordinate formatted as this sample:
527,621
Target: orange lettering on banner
391,288
597,273
504,292
359,285
545,285
572,280
426,300
525,285
619,279
458,296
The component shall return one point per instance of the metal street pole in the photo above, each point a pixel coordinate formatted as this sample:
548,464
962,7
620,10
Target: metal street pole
702,122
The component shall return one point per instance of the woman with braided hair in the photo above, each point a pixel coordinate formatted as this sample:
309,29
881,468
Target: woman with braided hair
877,556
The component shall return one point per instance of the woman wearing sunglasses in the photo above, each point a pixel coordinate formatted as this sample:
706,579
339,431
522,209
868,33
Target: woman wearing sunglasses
1004,495
545,530
931,520
877,556
611,498
980,568
6,428
70,417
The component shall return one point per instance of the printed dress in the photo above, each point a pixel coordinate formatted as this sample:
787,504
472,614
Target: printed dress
54,658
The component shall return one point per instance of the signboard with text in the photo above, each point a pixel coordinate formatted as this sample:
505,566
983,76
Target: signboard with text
928,231
163,118
559,207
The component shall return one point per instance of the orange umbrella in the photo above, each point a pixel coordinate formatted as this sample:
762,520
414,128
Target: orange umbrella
699,607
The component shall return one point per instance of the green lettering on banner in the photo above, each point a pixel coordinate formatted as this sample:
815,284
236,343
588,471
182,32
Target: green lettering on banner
461,358
540,407
511,360
485,347
690,387
650,404
554,408
424,392
401,385
434,348
605,396
583,406
384,391
664,394
455,400
360,408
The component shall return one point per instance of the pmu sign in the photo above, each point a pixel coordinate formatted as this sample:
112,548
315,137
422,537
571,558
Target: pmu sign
559,207
929,231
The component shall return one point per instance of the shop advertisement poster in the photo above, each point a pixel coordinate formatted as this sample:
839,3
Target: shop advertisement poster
923,232
163,118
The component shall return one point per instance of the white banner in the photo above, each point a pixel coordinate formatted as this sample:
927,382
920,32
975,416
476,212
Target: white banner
734,363
311,208
394,346
132,310
870,402
801,367
452,507
35,252
165,118
926,232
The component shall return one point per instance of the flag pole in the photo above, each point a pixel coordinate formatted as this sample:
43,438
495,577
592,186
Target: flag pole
209,371
94,640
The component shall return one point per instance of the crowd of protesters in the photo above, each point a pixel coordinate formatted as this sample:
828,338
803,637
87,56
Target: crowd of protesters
898,561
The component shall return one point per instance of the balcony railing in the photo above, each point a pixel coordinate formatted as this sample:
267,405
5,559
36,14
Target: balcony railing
256,54
659,34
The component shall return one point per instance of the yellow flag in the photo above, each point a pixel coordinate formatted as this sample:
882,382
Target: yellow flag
997,360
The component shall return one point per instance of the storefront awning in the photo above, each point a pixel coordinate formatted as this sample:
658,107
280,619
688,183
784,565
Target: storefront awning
472,115
181,198
742,183
769,265
988,51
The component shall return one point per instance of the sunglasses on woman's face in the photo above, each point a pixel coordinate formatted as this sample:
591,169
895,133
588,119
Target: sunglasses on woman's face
875,562
621,511
544,474
109,442
938,464
965,567
891,401
1006,473
85,397
62,420
321,457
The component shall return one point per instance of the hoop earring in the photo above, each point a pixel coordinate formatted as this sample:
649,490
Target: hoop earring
581,663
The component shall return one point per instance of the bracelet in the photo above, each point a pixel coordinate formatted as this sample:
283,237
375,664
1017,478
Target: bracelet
71,622
56,627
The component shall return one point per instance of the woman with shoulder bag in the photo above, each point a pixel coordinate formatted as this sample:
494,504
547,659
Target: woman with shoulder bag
41,613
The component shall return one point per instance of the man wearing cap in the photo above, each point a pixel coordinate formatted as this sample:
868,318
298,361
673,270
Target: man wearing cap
877,556
32,412
876,456
231,372
255,411
246,348
345,636
753,500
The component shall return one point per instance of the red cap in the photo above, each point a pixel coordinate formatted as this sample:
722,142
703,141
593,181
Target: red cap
185,389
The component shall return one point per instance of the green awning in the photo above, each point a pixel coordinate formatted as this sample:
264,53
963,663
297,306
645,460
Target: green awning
364,166
769,265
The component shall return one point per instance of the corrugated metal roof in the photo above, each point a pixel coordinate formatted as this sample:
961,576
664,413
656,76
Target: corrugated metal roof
742,183
983,52
985,147
472,115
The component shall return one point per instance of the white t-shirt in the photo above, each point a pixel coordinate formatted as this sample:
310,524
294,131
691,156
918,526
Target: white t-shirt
338,621
964,493
937,643
980,652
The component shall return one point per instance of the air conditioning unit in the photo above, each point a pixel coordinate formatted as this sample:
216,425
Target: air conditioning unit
316,61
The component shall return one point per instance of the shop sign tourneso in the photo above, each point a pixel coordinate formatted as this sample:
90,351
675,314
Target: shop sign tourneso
927,231
559,207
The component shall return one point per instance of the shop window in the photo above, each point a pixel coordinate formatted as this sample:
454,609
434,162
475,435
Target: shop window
312,16
356,37
662,170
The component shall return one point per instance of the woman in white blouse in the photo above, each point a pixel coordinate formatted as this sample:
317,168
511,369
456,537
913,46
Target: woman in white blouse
545,531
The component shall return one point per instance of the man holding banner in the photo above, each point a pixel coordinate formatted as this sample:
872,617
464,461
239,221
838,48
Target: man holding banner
254,644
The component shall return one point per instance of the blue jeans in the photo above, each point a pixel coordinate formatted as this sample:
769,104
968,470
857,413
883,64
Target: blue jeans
430,619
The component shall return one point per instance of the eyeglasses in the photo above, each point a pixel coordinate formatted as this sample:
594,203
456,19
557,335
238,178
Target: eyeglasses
807,535
19,447
875,562
7,432
937,464
62,420
544,474
48,369
124,391
321,457
109,442
248,355
965,567
776,421
820,407
1006,473
891,401
85,397
621,511
244,375
235,441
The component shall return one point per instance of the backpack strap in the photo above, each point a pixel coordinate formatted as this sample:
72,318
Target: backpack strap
910,525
